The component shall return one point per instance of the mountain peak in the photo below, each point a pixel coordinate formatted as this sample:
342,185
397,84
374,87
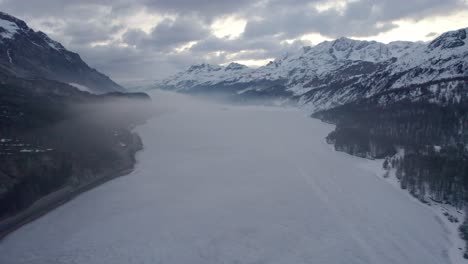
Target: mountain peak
342,44
203,66
235,66
344,39
10,26
30,54
450,39
7,17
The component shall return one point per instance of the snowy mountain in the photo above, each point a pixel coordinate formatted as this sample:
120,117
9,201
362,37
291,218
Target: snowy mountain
25,53
436,72
337,72
445,57
205,74
297,71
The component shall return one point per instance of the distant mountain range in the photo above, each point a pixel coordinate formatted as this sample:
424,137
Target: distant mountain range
337,72
25,53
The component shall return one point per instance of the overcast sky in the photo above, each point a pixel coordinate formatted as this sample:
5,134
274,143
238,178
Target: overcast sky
149,39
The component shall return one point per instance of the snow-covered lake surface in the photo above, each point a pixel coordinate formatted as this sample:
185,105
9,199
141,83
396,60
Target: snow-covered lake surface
229,184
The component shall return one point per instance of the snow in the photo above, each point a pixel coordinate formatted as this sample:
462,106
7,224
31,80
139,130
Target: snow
457,243
235,184
53,44
34,43
9,56
437,62
10,29
443,212
81,87
34,150
246,90
205,74
295,68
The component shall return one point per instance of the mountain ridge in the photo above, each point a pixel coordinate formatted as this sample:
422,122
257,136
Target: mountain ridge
334,73
26,53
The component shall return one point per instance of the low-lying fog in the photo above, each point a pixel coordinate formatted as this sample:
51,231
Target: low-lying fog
235,184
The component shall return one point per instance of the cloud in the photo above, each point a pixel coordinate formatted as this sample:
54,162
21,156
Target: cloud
356,18
432,35
82,33
128,63
168,34
207,9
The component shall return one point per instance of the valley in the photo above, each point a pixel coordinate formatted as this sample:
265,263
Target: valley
235,184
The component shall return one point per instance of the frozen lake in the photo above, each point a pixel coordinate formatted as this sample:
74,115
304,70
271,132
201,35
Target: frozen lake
229,184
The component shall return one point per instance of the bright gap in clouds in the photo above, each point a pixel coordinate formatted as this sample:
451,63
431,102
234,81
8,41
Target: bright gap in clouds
144,21
230,27
422,30
338,5
186,46
251,63
314,38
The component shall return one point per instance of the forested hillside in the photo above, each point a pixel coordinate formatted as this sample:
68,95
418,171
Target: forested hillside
423,139
54,137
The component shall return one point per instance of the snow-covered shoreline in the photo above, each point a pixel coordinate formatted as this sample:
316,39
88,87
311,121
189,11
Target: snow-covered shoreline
441,211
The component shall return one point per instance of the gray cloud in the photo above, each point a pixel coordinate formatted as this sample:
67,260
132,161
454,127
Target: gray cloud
82,33
386,10
432,35
168,34
359,18
127,63
207,9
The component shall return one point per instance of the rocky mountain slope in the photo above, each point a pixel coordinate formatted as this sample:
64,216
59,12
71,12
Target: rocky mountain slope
57,140
26,53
